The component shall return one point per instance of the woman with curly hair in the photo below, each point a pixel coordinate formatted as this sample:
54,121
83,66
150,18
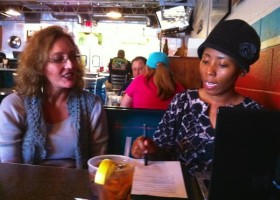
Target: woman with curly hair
50,119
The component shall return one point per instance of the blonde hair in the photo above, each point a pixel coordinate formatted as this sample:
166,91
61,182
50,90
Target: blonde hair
30,78
163,79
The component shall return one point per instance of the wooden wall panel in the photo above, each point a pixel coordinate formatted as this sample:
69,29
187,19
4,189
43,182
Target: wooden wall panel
263,81
259,76
186,71
275,76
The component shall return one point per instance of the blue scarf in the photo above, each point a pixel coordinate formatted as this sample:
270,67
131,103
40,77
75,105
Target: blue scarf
80,105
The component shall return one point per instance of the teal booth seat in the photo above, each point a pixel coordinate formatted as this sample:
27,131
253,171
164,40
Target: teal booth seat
128,122
6,82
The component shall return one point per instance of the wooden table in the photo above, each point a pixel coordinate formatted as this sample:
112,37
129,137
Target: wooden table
31,182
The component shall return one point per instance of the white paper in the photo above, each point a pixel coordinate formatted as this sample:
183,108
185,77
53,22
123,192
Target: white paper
159,178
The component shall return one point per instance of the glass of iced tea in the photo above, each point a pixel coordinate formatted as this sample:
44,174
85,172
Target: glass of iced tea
111,177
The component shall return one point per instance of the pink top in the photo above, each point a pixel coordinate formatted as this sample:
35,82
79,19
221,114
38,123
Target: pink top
145,95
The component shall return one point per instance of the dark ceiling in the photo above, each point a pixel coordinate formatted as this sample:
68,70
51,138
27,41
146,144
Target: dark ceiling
86,9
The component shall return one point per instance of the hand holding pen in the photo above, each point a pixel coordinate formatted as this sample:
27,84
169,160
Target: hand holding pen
143,145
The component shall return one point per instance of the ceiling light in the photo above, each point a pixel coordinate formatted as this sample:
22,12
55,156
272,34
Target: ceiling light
12,12
114,14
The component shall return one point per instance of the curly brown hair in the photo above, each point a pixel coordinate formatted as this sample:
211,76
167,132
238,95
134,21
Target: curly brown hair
30,78
163,79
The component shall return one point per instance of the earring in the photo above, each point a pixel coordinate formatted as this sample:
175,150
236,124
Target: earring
242,73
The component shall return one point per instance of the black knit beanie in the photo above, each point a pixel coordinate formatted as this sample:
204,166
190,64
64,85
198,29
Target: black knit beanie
236,39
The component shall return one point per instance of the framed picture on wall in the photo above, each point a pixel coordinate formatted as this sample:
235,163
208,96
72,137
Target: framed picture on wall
220,10
30,33
173,44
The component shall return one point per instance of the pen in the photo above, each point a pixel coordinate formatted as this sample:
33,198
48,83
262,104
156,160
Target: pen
145,136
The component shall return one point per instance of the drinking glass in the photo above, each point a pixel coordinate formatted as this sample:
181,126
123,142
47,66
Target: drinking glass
116,100
109,98
118,185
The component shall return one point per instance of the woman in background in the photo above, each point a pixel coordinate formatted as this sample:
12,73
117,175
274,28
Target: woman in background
50,119
155,88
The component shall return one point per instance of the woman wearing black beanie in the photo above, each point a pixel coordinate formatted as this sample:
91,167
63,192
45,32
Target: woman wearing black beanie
187,130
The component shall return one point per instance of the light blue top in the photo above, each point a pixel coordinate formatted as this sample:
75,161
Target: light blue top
68,143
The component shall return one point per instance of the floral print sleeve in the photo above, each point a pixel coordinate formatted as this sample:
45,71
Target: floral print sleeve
165,135
185,130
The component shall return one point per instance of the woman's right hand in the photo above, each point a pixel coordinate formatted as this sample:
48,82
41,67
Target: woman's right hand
143,146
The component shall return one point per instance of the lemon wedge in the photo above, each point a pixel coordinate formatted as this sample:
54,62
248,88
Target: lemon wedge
105,169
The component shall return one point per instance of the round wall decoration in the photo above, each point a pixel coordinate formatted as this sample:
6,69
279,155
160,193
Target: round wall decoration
14,42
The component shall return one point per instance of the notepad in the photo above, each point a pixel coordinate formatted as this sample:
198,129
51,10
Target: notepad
159,178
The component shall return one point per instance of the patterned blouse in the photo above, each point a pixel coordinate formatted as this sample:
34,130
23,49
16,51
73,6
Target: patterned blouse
186,133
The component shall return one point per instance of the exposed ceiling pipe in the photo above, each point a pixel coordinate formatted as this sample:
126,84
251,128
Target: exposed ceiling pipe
65,16
81,18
